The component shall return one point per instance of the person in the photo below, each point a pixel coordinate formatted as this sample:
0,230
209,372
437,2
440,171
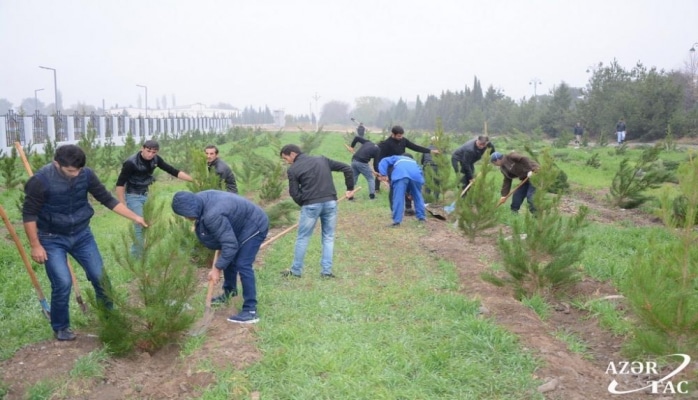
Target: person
56,214
513,166
395,145
360,130
464,158
311,187
620,131
578,132
360,163
428,162
221,168
134,179
406,178
235,226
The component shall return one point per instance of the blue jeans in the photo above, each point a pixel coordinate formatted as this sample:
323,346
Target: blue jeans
327,213
359,168
135,203
526,191
242,264
400,187
83,248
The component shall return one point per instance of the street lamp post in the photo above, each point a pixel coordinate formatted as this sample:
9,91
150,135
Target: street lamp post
693,48
36,101
146,99
55,87
535,82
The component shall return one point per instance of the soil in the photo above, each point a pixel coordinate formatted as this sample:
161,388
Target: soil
166,375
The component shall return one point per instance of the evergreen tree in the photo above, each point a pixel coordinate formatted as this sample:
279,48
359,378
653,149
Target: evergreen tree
631,181
156,307
477,210
541,254
661,288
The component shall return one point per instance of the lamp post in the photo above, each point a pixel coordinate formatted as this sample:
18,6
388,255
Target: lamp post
55,87
317,117
535,82
36,101
693,48
146,99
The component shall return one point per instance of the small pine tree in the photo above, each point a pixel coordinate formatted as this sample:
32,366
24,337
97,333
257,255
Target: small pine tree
541,254
153,309
130,147
593,161
10,168
477,210
90,145
669,141
311,141
273,183
661,288
204,179
438,180
631,182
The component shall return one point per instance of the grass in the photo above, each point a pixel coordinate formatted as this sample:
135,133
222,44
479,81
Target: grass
573,342
538,304
393,325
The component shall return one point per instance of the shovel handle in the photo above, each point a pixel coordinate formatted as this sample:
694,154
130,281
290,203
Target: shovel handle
211,283
502,201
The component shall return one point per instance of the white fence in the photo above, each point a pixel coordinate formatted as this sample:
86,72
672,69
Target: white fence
37,129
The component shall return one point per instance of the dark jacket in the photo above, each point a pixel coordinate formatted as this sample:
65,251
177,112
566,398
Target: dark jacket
59,204
224,220
223,170
515,166
578,130
464,158
393,147
310,179
360,131
137,173
366,152
620,126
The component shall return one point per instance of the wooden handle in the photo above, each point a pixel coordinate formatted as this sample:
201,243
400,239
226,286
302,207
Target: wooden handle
23,156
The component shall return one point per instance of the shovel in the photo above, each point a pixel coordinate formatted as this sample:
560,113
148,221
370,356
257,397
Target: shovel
452,207
32,275
209,313
504,199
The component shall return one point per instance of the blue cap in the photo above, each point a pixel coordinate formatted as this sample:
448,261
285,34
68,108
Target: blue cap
496,156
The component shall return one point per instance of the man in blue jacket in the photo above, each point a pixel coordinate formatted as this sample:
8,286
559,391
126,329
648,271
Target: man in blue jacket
406,177
56,215
235,226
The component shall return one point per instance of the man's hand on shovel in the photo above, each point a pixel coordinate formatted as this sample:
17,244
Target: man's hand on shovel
214,274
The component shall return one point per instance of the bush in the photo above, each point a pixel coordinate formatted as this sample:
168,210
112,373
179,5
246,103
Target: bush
631,182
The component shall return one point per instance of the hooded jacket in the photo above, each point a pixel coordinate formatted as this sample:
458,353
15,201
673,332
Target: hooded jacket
403,167
224,221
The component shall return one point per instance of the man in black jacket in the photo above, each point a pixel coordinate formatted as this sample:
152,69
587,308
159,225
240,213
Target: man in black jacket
220,168
134,179
311,186
359,163
395,145
464,158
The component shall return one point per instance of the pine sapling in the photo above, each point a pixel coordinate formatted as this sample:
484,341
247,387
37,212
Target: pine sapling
541,254
477,209
662,286
631,181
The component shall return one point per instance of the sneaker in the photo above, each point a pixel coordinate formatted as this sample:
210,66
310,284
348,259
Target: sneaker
65,335
245,317
372,196
288,273
394,225
330,275
409,211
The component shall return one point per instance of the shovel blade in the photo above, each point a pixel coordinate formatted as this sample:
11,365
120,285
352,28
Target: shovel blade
201,326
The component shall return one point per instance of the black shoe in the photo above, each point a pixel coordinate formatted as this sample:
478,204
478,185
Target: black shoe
65,335
288,273
372,196
327,276
409,211
394,225
223,298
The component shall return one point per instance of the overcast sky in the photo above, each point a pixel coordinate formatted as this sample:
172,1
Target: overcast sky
282,53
